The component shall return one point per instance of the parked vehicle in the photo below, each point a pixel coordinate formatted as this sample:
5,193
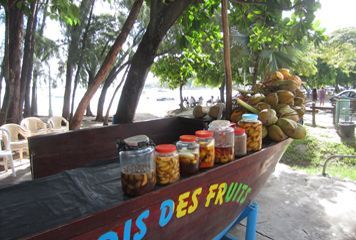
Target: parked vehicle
346,94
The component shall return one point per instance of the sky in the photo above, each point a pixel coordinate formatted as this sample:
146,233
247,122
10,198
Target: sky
336,14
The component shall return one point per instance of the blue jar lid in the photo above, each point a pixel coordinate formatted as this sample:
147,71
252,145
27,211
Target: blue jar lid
250,116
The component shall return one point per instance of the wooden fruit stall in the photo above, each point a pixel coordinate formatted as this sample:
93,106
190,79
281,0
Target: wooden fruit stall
76,192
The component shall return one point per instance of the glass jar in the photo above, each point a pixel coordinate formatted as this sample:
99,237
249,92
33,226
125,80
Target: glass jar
224,140
240,142
206,142
188,151
138,171
167,164
253,128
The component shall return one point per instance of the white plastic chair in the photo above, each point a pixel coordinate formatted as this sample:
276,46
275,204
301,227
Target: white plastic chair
17,144
35,125
55,124
5,150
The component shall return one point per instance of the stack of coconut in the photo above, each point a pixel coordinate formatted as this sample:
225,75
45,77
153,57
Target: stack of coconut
279,103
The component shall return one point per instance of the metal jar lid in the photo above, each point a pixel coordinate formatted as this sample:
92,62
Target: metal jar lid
134,143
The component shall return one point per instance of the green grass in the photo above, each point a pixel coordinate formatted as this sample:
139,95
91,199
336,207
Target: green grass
309,154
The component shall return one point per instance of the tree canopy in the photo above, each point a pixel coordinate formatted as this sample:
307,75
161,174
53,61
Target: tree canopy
182,39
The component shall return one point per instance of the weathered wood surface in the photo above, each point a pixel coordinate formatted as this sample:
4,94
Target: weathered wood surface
205,222
51,154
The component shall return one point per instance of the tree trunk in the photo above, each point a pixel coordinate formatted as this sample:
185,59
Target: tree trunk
76,81
2,75
88,111
81,59
227,60
5,71
106,119
34,111
181,104
15,16
110,79
27,62
50,111
101,101
337,82
222,91
73,54
107,64
162,17
37,64
112,75
256,66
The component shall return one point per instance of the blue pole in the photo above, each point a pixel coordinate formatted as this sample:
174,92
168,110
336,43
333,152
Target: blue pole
251,222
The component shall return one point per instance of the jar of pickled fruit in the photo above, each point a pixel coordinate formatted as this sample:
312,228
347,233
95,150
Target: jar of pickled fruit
253,128
167,164
188,151
240,142
206,142
138,171
224,140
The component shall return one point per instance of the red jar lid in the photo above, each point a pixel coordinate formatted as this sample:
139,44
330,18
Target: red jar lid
239,131
187,138
204,134
165,148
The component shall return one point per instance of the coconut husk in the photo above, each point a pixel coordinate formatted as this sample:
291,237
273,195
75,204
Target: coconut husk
236,116
262,105
272,99
276,134
285,97
264,131
291,128
298,101
256,98
285,72
288,112
299,93
199,112
268,117
300,110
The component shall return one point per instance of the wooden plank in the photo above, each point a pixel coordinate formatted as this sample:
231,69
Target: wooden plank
203,223
51,154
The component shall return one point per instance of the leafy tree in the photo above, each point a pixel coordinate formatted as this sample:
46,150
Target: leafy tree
261,37
336,60
15,11
276,41
75,34
107,64
300,27
173,73
162,17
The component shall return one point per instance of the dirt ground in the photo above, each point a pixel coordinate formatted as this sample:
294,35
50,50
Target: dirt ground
297,206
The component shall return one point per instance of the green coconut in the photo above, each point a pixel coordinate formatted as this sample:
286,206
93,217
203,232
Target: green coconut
268,117
276,134
285,97
272,99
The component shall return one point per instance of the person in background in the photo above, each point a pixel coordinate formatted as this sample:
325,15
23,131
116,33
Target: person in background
200,101
322,94
314,95
210,102
192,102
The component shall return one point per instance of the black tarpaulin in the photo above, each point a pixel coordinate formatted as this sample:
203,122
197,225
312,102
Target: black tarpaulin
35,206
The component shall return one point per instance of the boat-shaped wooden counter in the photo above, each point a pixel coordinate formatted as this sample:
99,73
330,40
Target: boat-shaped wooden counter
196,207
